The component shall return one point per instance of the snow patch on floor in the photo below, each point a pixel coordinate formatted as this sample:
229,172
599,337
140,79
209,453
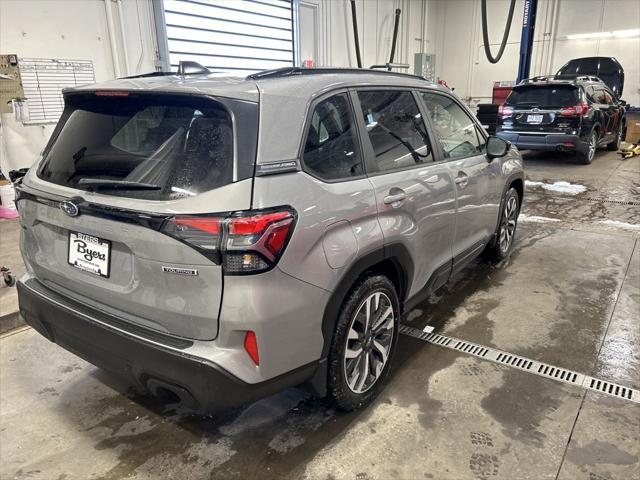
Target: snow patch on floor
536,219
622,225
560,187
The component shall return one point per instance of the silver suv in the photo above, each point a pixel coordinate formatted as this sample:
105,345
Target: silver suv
218,239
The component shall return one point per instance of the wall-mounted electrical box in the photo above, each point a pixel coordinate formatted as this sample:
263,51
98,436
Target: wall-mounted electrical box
424,64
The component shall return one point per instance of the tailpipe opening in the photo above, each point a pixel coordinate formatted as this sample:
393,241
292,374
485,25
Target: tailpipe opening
170,393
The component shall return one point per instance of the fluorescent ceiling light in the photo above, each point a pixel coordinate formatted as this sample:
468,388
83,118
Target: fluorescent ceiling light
618,34
627,33
582,36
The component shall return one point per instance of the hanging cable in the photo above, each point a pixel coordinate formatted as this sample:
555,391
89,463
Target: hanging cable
485,32
355,32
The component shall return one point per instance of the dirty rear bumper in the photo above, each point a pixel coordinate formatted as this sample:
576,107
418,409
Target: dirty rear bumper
155,364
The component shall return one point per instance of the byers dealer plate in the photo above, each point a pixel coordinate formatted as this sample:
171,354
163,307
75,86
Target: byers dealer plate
89,253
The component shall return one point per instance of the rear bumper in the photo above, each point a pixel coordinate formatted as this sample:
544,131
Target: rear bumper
150,364
551,142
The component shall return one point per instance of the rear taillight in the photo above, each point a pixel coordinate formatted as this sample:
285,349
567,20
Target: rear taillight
579,110
244,242
203,232
505,111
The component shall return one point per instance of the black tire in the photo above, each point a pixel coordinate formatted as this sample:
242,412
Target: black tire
615,145
9,280
588,155
340,393
498,250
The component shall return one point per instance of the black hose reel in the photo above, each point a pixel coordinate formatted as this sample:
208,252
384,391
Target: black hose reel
485,32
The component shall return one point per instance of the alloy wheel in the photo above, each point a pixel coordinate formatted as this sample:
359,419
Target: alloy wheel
593,143
369,342
508,226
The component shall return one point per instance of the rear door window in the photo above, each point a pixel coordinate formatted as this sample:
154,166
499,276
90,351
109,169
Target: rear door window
173,146
330,150
548,96
395,128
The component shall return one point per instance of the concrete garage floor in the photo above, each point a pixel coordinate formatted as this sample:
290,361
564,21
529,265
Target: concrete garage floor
570,296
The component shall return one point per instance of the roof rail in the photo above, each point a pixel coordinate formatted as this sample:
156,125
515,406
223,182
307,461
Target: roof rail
293,71
575,77
539,78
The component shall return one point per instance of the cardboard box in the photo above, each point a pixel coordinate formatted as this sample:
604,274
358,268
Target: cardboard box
633,127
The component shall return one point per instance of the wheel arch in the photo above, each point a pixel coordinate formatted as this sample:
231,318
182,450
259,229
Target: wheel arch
393,261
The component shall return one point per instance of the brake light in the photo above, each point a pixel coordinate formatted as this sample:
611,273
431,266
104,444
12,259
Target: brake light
251,346
203,232
207,225
505,110
244,242
578,110
111,93
254,224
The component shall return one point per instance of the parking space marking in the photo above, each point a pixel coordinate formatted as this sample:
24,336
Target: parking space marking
525,364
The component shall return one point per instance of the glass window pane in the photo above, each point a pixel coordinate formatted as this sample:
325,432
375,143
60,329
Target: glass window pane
396,129
455,129
330,150
183,146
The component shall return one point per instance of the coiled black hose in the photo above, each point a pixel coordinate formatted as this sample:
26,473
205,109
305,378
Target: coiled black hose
485,32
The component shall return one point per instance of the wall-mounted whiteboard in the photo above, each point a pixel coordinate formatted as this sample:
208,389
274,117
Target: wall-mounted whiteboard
43,80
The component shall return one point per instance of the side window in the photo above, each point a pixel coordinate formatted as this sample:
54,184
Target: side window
396,129
457,132
330,151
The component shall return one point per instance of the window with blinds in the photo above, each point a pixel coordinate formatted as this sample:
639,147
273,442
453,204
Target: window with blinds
237,36
43,80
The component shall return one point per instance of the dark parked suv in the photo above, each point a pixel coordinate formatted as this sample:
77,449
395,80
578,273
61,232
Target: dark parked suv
563,113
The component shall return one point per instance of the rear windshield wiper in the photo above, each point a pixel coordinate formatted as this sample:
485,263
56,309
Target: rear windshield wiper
95,183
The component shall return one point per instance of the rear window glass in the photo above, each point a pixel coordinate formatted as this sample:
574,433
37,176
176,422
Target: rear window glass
155,147
548,96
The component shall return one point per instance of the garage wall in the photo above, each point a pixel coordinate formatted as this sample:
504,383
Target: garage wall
462,62
70,29
326,31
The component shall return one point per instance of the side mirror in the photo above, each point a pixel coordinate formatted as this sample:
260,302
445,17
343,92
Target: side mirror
497,147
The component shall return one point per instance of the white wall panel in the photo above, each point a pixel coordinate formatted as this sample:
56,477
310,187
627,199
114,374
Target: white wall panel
239,36
69,29
462,63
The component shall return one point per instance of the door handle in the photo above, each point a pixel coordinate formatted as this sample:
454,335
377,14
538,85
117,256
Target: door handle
462,179
395,198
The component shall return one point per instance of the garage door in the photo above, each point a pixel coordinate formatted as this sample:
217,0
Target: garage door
241,36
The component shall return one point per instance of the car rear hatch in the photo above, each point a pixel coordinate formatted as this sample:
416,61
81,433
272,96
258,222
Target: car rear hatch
117,214
543,108
606,68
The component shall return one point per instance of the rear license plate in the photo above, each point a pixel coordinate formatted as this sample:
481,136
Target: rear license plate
89,253
535,118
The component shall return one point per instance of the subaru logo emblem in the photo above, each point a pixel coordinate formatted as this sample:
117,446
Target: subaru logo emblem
69,208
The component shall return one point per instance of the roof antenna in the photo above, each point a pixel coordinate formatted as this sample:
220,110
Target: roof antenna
191,68
355,32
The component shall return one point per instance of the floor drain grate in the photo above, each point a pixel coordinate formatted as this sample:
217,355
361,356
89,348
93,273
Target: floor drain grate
526,364
607,200
611,389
